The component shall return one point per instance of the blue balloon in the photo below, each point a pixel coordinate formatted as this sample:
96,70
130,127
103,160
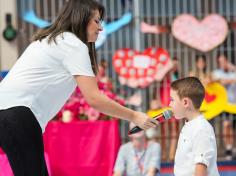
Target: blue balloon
112,27
30,17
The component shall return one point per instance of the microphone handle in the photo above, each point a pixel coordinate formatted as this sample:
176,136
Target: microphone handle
137,129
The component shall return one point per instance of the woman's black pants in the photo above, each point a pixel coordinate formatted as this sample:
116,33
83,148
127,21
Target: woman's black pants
21,140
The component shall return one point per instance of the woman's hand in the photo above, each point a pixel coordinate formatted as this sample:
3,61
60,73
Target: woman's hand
143,121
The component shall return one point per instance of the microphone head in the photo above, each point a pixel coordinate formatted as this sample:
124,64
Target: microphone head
167,114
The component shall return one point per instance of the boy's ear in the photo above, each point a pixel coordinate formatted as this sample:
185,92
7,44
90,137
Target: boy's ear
185,101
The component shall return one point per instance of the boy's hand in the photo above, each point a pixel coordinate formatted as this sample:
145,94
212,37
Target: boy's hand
200,170
143,121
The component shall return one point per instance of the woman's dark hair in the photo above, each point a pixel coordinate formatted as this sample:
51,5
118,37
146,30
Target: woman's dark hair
74,17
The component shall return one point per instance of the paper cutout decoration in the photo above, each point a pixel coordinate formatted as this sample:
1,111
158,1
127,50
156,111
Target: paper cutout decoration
158,29
155,29
109,28
216,101
139,69
202,35
29,16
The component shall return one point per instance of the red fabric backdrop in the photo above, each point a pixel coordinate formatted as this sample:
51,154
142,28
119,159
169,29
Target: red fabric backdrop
82,148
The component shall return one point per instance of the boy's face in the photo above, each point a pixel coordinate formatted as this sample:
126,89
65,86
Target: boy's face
177,105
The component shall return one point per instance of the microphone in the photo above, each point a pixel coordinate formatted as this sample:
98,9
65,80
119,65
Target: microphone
166,115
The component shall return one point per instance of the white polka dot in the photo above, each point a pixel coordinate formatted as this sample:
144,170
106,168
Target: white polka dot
123,71
128,63
132,72
121,53
163,58
118,63
153,62
140,72
150,72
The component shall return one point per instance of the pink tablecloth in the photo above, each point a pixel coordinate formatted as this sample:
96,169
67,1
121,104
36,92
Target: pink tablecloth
5,168
82,148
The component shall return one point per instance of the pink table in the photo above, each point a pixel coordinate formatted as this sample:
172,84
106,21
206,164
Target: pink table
82,148
5,168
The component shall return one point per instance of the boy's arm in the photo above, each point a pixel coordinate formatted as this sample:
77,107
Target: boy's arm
200,170
152,171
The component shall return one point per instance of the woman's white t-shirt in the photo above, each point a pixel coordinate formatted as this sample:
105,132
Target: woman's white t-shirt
42,78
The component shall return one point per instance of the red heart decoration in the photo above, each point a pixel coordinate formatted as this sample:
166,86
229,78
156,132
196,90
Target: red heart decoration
202,35
139,69
209,97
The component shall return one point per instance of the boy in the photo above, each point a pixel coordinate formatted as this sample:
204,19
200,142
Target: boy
196,152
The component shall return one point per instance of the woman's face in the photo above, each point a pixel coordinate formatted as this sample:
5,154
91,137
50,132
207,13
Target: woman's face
94,27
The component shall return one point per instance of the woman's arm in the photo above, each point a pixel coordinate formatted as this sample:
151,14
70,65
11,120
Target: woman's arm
89,89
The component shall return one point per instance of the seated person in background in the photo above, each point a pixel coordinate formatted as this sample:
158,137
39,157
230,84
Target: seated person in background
201,70
138,157
226,75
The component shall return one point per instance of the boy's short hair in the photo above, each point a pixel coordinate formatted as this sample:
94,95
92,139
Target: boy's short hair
190,87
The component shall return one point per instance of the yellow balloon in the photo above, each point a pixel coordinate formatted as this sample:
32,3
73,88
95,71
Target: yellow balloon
216,101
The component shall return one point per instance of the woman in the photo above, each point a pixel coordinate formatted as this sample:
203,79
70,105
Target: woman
60,57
